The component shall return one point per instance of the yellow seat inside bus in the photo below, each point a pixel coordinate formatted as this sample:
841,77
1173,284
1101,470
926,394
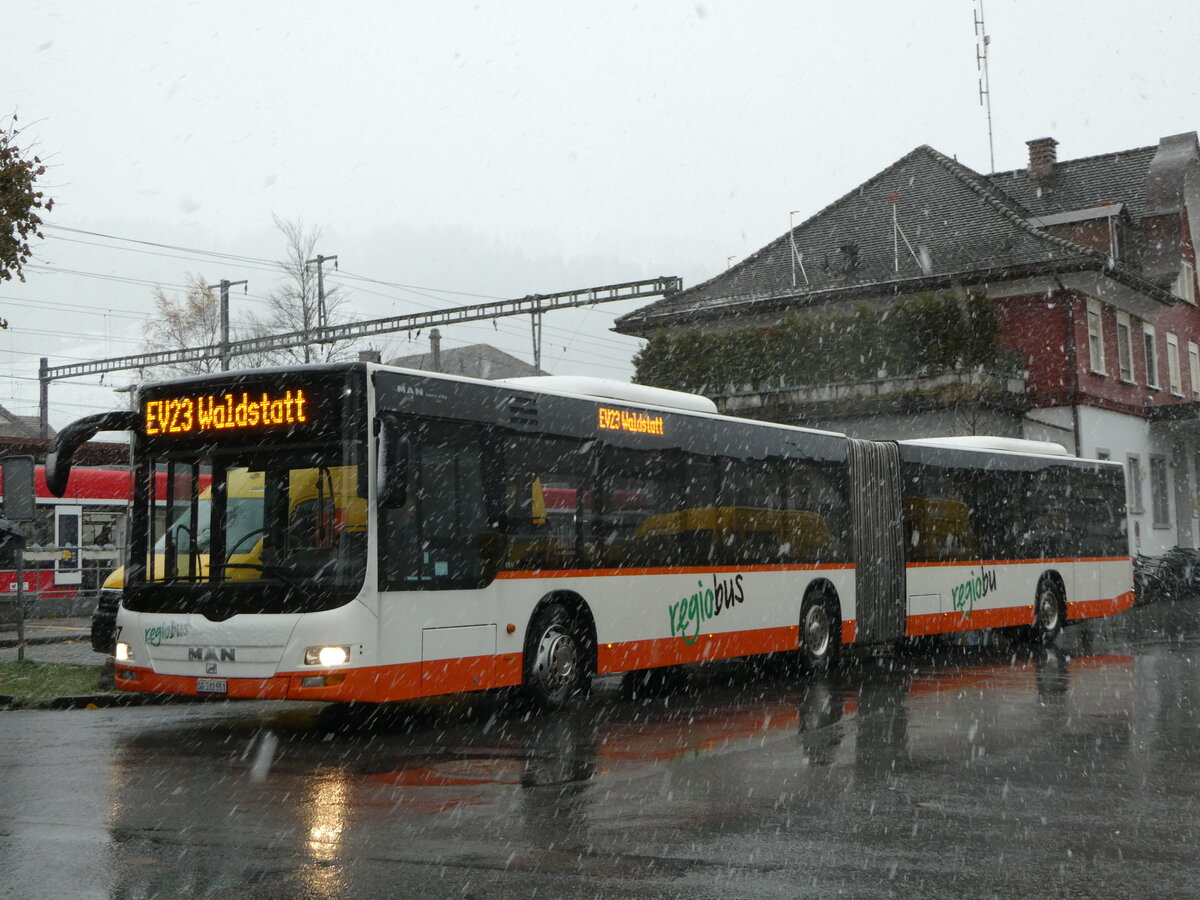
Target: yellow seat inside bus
323,509
940,529
758,535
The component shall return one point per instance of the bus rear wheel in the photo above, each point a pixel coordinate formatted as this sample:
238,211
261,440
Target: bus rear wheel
556,659
1047,614
820,634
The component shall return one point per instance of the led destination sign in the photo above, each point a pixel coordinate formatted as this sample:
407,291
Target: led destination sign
624,420
226,412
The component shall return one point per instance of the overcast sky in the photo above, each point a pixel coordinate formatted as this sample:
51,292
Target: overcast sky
503,149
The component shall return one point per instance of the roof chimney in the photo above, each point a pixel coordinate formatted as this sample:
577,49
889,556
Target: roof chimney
1041,157
435,351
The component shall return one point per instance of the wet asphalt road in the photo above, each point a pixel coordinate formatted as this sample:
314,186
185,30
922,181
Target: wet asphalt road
928,773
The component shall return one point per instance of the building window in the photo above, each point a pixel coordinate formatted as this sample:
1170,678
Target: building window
1173,365
1194,369
1096,337
1135,484
1185,284
1124,347
1158,492
1103,454
1151,355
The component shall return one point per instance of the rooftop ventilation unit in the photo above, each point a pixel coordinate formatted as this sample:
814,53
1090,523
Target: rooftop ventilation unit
989,442
608,389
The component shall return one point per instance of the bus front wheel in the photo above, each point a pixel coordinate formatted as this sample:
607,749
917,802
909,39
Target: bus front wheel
1047,614
820,634
555,659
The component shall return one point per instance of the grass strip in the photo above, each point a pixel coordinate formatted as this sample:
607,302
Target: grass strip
29,681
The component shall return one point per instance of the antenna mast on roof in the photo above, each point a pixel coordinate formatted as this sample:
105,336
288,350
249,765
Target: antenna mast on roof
985,88
797,256
898,233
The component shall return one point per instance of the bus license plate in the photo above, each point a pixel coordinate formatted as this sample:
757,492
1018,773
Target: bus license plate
212,686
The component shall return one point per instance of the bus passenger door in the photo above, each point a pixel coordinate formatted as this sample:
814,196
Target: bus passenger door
437,538
68,539
880,601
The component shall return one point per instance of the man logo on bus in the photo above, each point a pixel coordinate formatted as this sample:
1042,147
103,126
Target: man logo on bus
691,612
212,654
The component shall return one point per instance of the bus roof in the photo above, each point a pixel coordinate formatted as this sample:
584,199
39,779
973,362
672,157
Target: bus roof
610,389
992,443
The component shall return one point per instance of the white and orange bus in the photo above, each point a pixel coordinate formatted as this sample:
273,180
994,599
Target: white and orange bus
418,534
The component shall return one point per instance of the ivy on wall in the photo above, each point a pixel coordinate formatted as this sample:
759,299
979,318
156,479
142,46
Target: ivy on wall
923,334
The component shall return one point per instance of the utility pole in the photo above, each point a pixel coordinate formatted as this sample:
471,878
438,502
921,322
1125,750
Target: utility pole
535,321
44,398
322,314
225,350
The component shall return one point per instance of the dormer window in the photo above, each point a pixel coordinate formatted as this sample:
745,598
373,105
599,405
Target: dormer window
849,258
1185,284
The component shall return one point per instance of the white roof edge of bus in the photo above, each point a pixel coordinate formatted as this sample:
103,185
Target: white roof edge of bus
991,442
611,389
558,384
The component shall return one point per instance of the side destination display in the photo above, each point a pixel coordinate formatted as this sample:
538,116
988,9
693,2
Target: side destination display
624,420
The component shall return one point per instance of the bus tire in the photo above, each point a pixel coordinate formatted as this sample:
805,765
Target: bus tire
1048,614
556,659
820,633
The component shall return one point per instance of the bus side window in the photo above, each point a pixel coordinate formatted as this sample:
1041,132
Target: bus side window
819,515
546,501
936,518
640,515
439,538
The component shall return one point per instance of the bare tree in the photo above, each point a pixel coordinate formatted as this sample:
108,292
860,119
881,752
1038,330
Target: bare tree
193,320
294,306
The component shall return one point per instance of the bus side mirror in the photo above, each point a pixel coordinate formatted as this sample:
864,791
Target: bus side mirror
393,457
67,441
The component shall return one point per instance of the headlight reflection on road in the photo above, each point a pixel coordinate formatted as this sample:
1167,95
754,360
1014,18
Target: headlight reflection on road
327,817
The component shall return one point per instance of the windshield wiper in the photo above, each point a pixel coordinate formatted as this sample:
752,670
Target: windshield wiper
267,569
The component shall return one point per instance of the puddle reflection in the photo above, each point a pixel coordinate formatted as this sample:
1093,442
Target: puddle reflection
423,781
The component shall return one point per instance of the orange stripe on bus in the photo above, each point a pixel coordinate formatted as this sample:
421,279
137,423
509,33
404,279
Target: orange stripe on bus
1090,609
371,684
648,654
667,570
944,623
1019,562
514,574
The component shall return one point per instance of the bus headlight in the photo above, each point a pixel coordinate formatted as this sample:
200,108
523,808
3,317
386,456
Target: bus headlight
123,652
326,656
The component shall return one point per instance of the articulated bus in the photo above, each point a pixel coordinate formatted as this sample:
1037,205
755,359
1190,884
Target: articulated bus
412,534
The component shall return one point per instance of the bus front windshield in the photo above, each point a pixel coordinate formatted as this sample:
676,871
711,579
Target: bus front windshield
278,530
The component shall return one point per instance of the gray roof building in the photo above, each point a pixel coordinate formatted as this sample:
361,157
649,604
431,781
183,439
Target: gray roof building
474,361
928,221
13,426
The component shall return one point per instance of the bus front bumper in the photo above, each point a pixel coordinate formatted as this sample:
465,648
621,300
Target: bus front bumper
338,685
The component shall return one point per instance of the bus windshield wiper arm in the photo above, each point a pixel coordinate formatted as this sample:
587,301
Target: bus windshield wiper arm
277,571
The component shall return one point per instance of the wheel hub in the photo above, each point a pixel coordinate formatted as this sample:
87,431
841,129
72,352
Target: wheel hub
556,661
1047,613
816,631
